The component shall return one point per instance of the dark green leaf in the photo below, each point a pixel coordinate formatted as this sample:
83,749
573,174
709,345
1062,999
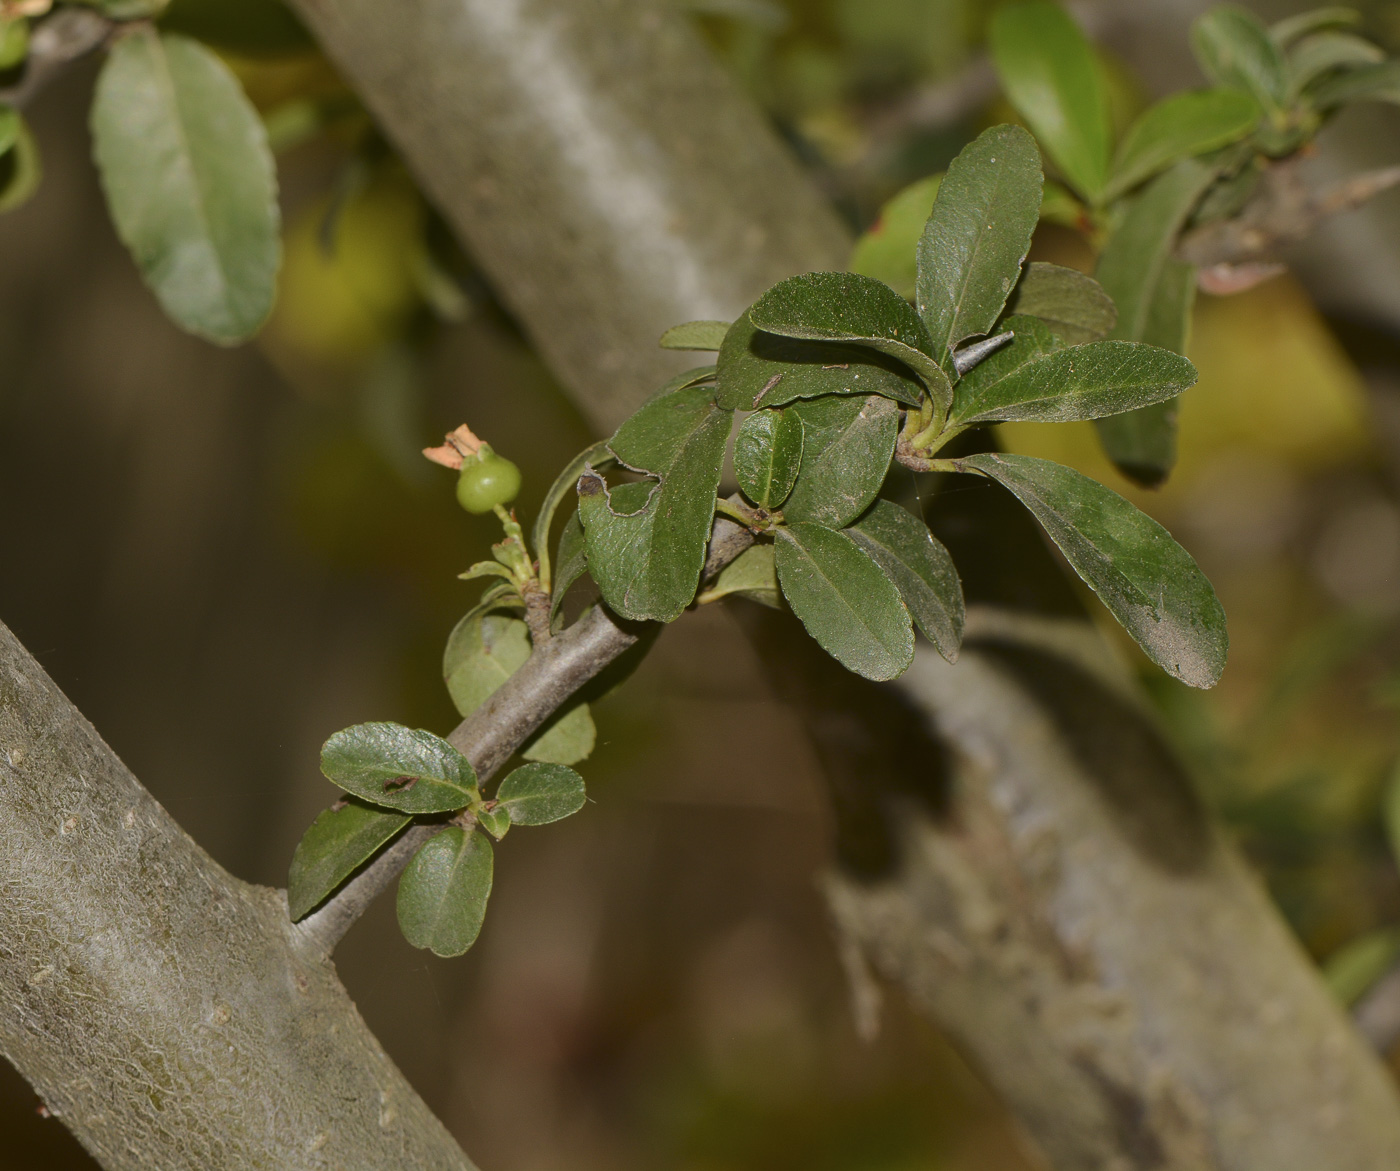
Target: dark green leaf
253,28
646,551
405,769
758,369
537,794
20,170
190,182
565,485
573,564
1050,74
1291,28
886,250
921,570
338,843
847,445
1147,581
1073,305
1315,56
1178,127
750,575
767,453
844,600
443,891
1234,49
695,335
848,307
9,128
970,253
1370,83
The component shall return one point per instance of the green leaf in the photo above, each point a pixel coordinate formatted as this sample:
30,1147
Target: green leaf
885,251
443,891
1315,56
848,307
1390,814
1292,28
758,369
1370,83
390,765
767,454
1058,206
483,651
1080,382
921,570
9,128
844,600
565,484
190,182
1178,127
495,822
646,550
339,842
1051,76
751,575
695,335
1153,292
20,169
971,250
573,564
1073,305
14,42
847,445
1234,49
1353,968
537,794
1147,581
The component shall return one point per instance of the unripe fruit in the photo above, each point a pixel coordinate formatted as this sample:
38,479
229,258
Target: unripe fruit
486,481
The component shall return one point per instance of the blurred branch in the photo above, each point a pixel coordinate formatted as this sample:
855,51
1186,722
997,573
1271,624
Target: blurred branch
57,44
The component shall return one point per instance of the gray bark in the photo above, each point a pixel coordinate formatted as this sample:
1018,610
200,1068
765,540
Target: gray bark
1101,953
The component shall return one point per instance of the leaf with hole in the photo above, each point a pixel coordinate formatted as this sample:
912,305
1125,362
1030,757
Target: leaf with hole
341,840
886,250
443,891
1179,127
767,454
1051,76
847,445
190,182
1147,581
400,768
758,369
1073,305
920,569
844,600
1233,48
695,335
971,249
537,794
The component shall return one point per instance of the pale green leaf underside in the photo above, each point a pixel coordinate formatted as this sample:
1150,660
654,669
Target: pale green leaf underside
339,841
695,335
444,890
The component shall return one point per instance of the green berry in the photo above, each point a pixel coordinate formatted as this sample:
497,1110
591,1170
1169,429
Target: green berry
487,481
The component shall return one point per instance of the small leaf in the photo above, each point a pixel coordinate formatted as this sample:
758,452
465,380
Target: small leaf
495,822
1147,581
20,169
847,307
573,564
485,569
597,457
971,250
758,369
1073,305
339,842
1370,83
190,182
1051,76
1353,968
443,891
1292,28
885,251
1315,56
921,570
767,453
567,738
751,575
695,335
844,600
1234,49
646,550
390,765
537,794
847,445
1178,127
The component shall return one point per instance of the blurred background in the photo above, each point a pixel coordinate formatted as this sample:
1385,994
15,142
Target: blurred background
223,556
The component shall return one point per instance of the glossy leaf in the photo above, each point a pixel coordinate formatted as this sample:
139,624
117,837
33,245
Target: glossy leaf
190,182
847,445
1234,49
751,575
971,250
848,307
20,170
1178,127
1315,56
695,335
1292,28
564,487
1073,305
537,794
572,564
885,251
341,840
920,569
1051,76
646,550
844,600
444,890
1147,581
758,369
1371,83
400,768
767,454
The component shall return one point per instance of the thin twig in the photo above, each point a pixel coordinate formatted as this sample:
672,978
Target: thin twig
63,39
